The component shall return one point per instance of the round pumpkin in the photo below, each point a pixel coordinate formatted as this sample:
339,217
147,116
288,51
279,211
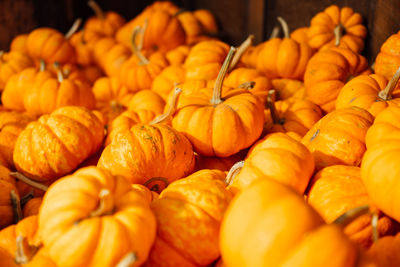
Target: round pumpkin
167,79
12,63
388,59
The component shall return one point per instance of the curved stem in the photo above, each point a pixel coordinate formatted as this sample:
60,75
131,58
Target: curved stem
235,169
155,187
73,28
42,65
171,108
374,224
128,260
275,32
142,59
16,206
60,73
216,98
347,217
23,178
386,94
143,30
97,10
21,255
285,27
338,31
247,85
27,197
105,204
272,108
240,51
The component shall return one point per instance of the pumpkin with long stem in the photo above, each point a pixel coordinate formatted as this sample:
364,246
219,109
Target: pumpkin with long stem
284,58
146,151
57,143
96,207
234,119
190,209
337,23
11,63
371,92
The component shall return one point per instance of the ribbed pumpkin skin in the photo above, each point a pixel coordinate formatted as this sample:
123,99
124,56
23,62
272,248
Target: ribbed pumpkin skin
337,189
339,137
32,207
93,235
269,224
288,88
12,63
363,90
190,209
147,151
266,159
164,82
379,168
11,125
107,26
51,46
388,59
321,31
18,43
57,143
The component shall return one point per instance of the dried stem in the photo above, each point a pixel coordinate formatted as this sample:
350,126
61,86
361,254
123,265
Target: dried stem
272,108
97,10
73,28
338,31
142,59
16,206
240,51
374,224
347,217
285,27
275,32
155,187
233,172
128,260
247,85
106,204
171,108
28,181
21,255
42,65
216,98
386,94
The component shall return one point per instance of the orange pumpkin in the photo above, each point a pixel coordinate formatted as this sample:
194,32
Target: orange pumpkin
383,253
284,58
10,211
106,207
333,23
165,82
288,88
371,92
337,189
258,229
388,59
177,55
147,100
278,157
300,35
83,43
328,71
190,209
207,20
12,63
57,143
32,207
223,164
234,120
339,137
18,43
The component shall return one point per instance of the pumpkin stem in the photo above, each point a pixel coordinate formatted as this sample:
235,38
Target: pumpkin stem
272,108
216,98
285,27
275,32
74,28
42,65
142,59
171,108
386,94
143,30
97,10
374,224
16,206
240,51
247,85
60,73
235,169
106,204
128,260
156,187
347,217
28,181
21,256
338,31
26,198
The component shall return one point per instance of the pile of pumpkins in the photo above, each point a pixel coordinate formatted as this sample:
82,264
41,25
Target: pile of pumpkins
153,143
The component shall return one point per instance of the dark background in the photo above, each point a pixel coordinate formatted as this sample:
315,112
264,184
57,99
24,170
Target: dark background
237,18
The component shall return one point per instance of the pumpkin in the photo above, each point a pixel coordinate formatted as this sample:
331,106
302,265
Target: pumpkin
96,207
105,23
288,88
11,125
278,157
383,253
328,71
300,35
337,189
18,43
234,120
333,23
207,20
10,210
166,80
138,72
250,56
193,28
12,63
189,209
284,58
379,170
290,116
388,59
148,151
339,137
47,93
223,164
267,236
371,92
205,60
32,207
57,143
177,55
83,43
147,100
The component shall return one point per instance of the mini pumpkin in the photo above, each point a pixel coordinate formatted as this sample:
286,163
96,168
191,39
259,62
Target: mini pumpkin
165,82
12,63
388,59
18,43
